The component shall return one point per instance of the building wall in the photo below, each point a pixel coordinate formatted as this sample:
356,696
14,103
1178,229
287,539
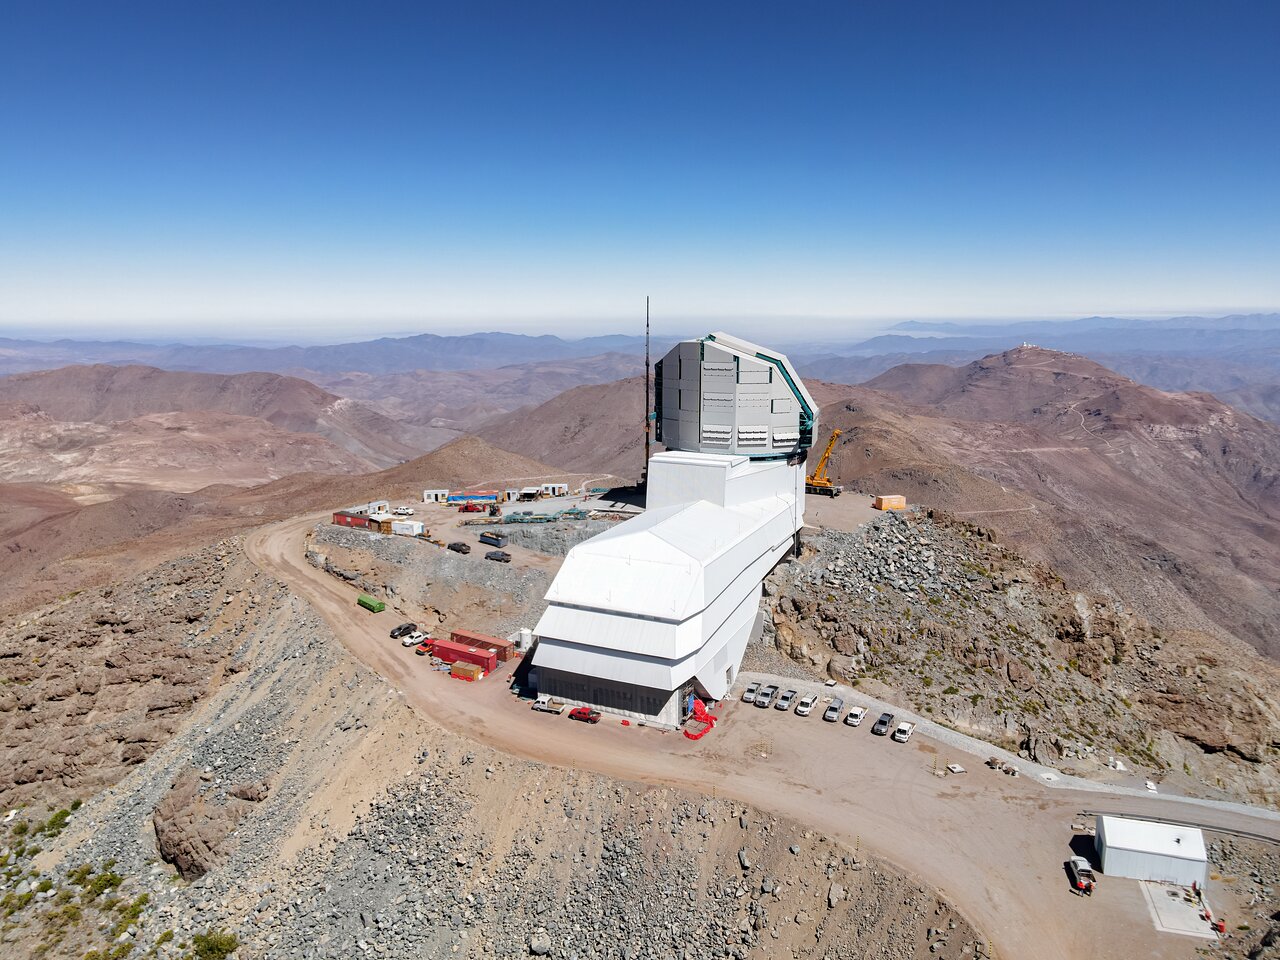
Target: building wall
630,700
1140,865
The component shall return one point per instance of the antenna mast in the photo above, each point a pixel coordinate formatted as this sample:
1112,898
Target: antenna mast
644,473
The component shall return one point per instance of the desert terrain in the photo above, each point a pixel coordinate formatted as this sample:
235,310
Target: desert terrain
249,756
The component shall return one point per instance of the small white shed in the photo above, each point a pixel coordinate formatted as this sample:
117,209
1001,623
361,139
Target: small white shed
1146,850
435,496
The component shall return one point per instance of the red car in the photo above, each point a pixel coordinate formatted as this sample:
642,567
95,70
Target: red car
585,714
471,507
424,647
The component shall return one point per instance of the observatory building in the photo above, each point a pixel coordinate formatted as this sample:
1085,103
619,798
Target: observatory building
660,608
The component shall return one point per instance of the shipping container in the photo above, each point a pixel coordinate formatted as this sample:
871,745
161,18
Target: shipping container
371,603
345,519
467,671
493,539
451,652
407,528
469,638
894,502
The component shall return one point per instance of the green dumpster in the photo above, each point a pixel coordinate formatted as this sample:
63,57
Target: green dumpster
371,603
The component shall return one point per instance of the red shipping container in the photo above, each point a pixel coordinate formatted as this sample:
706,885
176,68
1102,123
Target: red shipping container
451,652
506,649
344,519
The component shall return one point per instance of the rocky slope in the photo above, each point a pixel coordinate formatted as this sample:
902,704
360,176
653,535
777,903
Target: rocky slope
938,613
95,683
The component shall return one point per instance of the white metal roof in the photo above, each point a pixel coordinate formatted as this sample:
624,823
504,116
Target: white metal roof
656,565
1147,836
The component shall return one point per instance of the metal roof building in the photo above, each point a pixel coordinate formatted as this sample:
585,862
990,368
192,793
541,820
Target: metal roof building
1147,850
661,607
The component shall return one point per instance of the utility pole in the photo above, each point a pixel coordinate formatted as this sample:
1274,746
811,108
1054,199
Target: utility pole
644,472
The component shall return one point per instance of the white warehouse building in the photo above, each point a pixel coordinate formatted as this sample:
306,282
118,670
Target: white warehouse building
661,608
1147,850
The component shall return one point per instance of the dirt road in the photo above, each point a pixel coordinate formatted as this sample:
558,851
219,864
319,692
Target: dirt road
994,845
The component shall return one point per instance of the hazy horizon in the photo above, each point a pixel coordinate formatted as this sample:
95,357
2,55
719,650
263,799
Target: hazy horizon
782,331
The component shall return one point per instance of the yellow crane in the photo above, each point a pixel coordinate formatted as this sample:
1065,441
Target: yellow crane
818,481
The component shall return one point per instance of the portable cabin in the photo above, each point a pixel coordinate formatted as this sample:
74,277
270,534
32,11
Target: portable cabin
555,489
407,528
435,496
530,493
370,508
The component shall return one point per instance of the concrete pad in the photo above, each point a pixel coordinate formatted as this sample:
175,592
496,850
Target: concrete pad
1172,913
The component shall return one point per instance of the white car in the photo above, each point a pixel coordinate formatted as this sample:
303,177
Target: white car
749,694
413,639
403,511
806,705
855,716
904,732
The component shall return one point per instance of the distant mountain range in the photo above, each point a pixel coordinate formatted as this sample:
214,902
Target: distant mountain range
425,351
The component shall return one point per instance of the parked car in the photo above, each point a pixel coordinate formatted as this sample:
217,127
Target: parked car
855,716
883,724
500,556
413,639
765,696
832,713
904,732
585,714
1081,874
471,507
806,705
545,704
424,647
403,511
785,701
402,630
749,694
460,547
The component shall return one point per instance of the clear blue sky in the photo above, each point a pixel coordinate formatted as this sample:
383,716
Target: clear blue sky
376,167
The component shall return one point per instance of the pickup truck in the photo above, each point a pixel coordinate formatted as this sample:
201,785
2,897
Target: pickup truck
545,704
904,731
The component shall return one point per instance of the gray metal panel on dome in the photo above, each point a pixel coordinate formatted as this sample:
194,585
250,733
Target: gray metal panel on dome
721,394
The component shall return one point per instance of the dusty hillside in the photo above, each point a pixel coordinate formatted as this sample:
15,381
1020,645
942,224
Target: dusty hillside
61,545
101,394
179,452
598,428
1171,501
462,399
